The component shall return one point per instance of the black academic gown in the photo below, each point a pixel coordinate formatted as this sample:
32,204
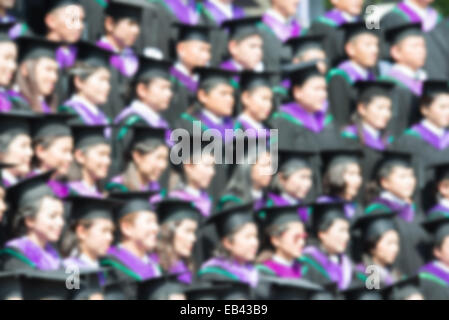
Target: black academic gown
405,110
433,290
94,19
342,96
333,41
181,100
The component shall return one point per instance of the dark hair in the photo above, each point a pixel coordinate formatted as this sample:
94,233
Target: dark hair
46,143
373,188
70,240
82,71
268,249
357,121
5,141
333,180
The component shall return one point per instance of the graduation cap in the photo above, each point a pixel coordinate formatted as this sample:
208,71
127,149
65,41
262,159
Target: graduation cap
52,125
330,158
239,29
133,202
298,45
278,216
291,289
393,158
4,31
213,75
354,29
205,291
358,291
36,47
441,171
92,55
124,10
175,210
152,68
236,290
432,88
366,90
88,208
15,123
372,226
160,288
250,80
402,289
86,135
298,158
45,285
324,214
146,134
398,33
10,285
437,225
229,220
190,151
300,73
89,284
56,4
197,32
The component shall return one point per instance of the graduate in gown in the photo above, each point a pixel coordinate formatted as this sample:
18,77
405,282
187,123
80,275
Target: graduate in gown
361,46
132,258
179,221
343,11
90,86
92,159
396,181
237,247
434,275
8,65
31,246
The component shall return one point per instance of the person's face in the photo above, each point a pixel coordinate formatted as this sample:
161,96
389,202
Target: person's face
387,248
248,52
401,182
298,184
153,164
313,54
195,53
244,243
96,160
96,87
364,49
258,103
8,62
7,4
411,52
201,174
377,113
49,220
145,230
261,172
158,94
98,237
3,205
219,100
336,238
185,238
438,111
292,241
67,23
20,153
58,156
46,75
286,7
126,31
353,7
442,252
353,180
312,95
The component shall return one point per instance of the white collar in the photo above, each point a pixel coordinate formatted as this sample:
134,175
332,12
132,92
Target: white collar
93,188
360,69
348,17
251,121
444,202
417,75
442,266
104,39
8,176
282,261
192,191
440,132
92,108
372,131
182,68
289,198
389,196
215,119
256,194
89,261
420,11
226,8
146,110
279,16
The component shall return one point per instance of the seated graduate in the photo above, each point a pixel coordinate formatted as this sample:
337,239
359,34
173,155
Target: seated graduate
408,51
284,238
342,179
434,275
237,247
90,232
396,182
8,67
361,46
37,76
36,220
146,158
373,112
53,150
245,45
326,261
306,118
92,159
90,86
376,240
343,11
132,258
179,221
16,146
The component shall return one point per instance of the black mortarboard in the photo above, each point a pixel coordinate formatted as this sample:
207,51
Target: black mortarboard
89,284
45,285
152,68
369,89
86,136
231,219
175,210
271,216
236,290
213,75
300,73
143,134
10,285
205,291
30,191
159,288
441,171
240,29
35,47
400,32
437,225
298,45
432,88
52,125
299,158
402,289
250,80
92,55
4,31
324,214
87,208
16,123
372,226
358,291
330,158
393,158
291,289
124,10
188,32
354,29
133,202
55,4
